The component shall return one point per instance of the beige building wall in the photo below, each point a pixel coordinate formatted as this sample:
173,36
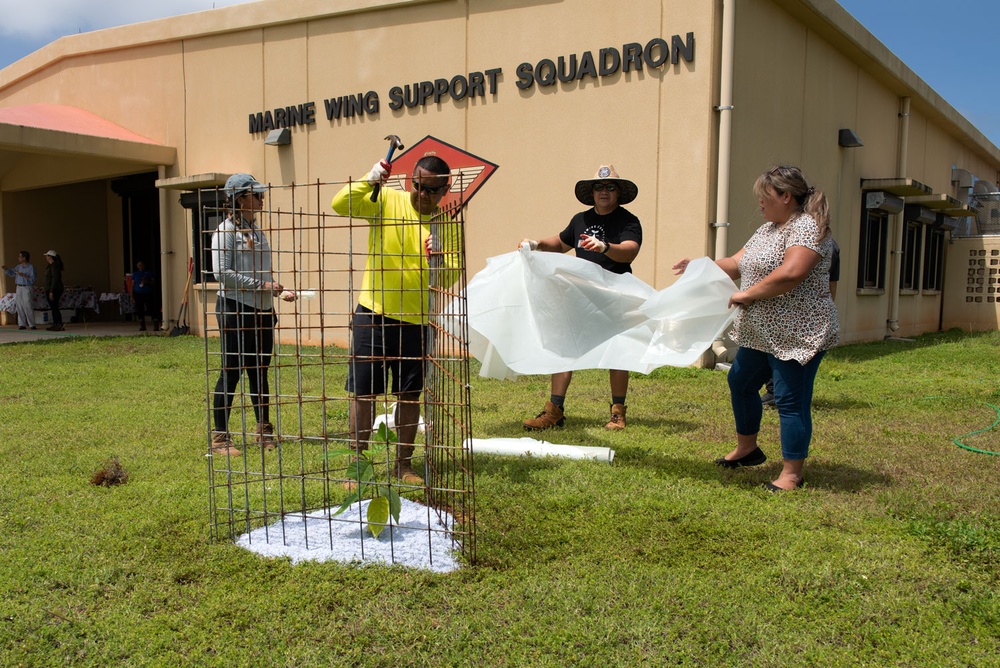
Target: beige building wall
804,69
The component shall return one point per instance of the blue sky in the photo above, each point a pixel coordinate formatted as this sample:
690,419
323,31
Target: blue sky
950,44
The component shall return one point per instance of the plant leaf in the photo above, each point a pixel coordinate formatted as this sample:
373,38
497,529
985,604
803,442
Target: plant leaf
359,469
339,452
374,452
352,498
378,514
395,505
385,435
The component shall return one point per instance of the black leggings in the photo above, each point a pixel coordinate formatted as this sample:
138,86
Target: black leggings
54,305
247,342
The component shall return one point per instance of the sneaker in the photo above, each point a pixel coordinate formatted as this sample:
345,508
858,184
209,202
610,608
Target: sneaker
767,400
22,327
552,416
223,445
617,422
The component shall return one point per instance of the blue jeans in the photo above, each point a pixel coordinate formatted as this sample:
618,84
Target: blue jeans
793,391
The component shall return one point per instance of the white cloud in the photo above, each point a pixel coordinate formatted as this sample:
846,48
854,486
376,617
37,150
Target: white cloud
54,18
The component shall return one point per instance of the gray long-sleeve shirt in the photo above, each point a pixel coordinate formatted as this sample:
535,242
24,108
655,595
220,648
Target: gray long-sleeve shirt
241,261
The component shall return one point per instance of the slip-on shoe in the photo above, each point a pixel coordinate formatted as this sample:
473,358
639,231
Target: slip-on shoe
755,458
774,489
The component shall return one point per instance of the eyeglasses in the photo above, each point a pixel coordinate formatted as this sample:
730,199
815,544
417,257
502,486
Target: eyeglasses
610,187
430,190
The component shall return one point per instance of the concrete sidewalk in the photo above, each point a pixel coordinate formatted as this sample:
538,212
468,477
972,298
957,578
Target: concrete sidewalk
11,334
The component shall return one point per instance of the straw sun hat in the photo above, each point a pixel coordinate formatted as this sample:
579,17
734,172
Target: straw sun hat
585,188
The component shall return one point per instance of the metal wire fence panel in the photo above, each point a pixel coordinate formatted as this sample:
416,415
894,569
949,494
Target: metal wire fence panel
282,431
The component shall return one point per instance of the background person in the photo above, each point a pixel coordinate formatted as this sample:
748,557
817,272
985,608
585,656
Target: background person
389,325
786,321
54,288
144,295
609,236
24,288
241,261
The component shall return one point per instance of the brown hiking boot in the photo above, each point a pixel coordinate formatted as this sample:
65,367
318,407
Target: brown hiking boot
265,436
552,416
617,422
223,445
404,466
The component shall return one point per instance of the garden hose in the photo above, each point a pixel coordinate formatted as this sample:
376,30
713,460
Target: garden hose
958,441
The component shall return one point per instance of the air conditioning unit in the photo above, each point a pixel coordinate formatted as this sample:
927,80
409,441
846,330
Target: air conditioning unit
914,213
947,223
883,201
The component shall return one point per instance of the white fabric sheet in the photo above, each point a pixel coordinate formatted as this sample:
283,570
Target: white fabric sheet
542,313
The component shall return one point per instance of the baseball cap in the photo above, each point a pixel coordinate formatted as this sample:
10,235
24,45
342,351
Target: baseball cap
52,253
238,184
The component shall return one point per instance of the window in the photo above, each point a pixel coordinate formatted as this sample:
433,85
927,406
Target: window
206,215
872,253
910,274
934,259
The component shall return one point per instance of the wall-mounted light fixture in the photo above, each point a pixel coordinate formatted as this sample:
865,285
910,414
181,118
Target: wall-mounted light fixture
279,137
848,139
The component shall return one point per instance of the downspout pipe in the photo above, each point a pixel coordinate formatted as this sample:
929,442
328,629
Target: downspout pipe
895,276
161,173
725,110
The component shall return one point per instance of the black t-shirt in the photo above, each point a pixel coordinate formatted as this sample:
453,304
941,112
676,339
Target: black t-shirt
613,228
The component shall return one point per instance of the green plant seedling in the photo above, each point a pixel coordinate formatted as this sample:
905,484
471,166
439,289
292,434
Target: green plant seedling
384,499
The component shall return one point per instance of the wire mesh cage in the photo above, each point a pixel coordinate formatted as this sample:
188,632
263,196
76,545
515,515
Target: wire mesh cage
287,444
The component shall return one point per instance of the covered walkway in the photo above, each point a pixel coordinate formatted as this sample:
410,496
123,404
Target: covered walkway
11,334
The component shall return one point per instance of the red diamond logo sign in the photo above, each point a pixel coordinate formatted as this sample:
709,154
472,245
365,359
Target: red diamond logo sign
468,172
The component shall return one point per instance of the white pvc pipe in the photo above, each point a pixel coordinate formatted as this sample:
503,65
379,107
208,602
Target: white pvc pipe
529,447
389,420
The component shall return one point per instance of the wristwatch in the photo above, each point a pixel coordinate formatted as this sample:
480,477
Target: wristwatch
607,247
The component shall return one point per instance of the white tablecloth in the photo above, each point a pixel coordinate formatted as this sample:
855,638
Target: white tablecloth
72,298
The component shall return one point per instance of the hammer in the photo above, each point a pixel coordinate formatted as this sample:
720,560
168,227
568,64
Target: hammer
394,143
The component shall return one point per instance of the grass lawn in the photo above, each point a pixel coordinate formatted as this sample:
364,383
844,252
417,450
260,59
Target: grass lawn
888,557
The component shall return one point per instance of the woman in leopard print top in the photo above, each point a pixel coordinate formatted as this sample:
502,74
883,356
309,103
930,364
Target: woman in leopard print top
787,318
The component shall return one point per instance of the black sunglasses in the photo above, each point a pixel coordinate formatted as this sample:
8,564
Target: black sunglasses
610,187
430,190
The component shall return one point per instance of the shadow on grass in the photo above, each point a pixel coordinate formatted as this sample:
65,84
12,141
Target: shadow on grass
864,352
517,470
819,475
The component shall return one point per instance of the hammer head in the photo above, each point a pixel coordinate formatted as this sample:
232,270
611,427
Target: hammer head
395,142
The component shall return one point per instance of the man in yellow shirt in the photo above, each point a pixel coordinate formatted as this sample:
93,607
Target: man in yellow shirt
408,235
